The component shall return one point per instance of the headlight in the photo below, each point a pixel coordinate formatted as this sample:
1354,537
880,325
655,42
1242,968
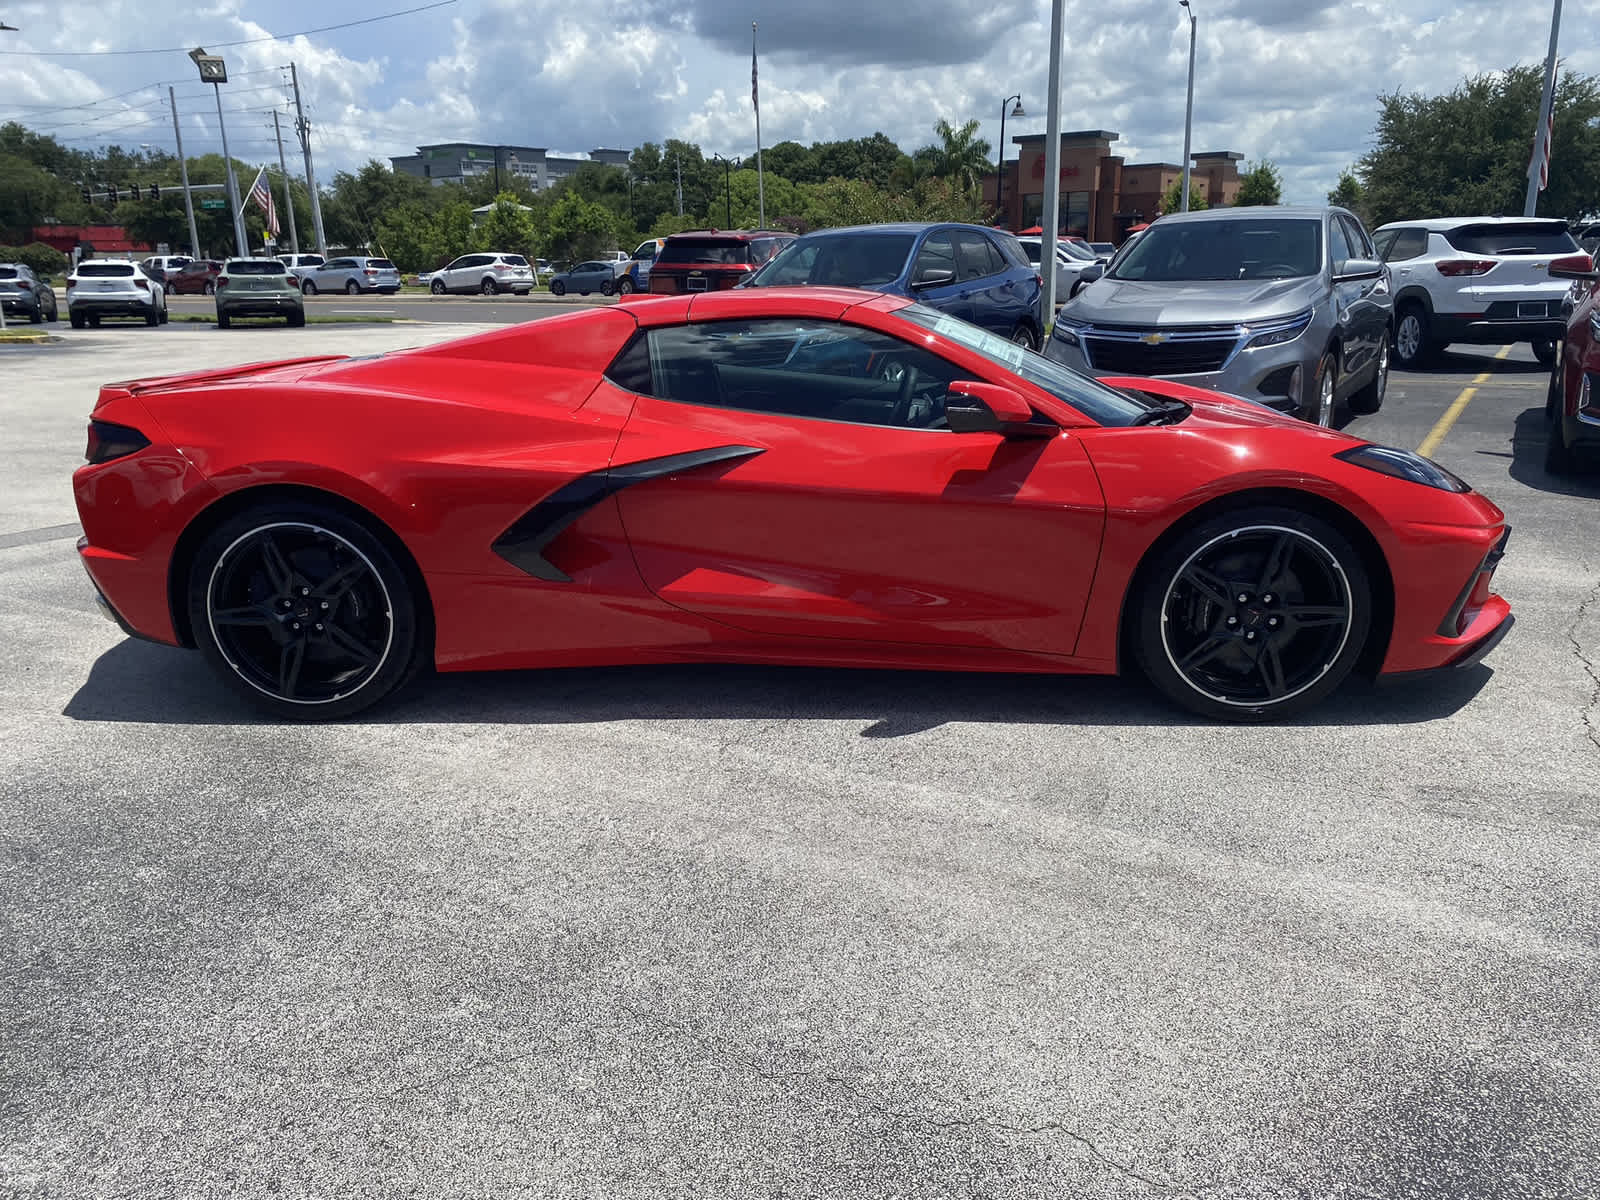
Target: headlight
1402,464
1276,332
1068,329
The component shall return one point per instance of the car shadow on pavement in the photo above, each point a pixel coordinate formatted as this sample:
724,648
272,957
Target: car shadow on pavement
138,682
1528,439
1474,361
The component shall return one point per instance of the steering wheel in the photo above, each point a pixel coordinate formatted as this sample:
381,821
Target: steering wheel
902,403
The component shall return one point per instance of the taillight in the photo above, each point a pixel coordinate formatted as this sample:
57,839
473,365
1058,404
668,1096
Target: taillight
222,282
71,282
141,285
370,271
501,267
1465,266
24,286
108,441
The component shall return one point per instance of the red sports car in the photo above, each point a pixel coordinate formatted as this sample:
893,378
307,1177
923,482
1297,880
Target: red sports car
816,476
1572,404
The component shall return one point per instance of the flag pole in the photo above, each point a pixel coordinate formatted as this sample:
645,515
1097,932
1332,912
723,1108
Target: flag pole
1539,164
755,102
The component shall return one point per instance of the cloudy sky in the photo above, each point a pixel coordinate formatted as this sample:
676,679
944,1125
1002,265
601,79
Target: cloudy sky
1293,81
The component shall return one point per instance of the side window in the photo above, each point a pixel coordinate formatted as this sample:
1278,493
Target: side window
795,268
1338,244
938,254
1408,243
814,369
1360,247
630,370
1382,240
646,252
973,253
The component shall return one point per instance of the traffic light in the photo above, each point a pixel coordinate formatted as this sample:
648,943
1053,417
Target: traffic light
133,191
87,198
155,191
111,193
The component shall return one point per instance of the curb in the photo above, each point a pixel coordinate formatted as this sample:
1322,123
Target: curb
7,338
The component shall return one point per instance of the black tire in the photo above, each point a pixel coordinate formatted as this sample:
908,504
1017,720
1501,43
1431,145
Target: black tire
1370,398
1023,336
75,319
1307,600
489,288
624,286
605,287
55,312
1322,390
224,321
557,288
437,287
152,318
352,288
1545,352
1413,345
94,321
211,288
164,315
1559,458
308,288
36,317
304,611
297,320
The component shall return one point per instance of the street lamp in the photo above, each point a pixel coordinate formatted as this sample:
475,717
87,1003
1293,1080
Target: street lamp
1000,157
215,72
1188,112
727,183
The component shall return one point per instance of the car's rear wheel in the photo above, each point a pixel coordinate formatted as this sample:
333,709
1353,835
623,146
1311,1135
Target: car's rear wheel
168,288
1253,615
94,321
211,288
36,317
352,288
163,315
303,611
153,317
308,288
1370,398
1559,458
297,320
75,319
224,321
437,287
489,288
1545,352
557,288
1413,346
1022,335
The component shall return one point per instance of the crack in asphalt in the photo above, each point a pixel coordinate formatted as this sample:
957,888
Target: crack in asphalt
1178,1189
1590,722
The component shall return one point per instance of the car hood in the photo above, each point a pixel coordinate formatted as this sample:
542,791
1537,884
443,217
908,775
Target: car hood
1193,302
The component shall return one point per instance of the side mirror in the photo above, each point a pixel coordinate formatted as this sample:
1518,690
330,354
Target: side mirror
1574,266
933,277
1359,268
1092,272
994,408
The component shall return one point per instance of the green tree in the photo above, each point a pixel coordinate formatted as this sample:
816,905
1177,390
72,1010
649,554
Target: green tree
577,228
1467,152
507,227
1261,183
451,233
1348,193
961,154
1172,198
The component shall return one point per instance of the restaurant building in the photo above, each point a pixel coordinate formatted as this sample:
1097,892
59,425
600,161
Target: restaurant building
1101,195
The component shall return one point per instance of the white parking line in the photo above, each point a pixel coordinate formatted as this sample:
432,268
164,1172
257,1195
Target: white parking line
363,312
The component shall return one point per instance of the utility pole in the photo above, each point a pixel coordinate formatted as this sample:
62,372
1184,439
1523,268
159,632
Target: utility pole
1052,169
183,171
1539,165
303,128
755,103
1188,110
288,196
679,164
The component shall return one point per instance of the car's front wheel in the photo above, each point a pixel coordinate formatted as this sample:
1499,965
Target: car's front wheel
437,287
304,611
1252,615
624,286
557,288
1023,336
605,287
1321,404
1370,398
1559,458
308,288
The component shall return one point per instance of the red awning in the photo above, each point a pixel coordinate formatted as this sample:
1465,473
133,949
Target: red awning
1139,228
1033,229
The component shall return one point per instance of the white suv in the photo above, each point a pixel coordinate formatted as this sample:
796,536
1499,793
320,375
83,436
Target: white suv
1475,279
112,288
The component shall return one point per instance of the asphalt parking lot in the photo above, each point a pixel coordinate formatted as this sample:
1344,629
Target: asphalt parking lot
737,932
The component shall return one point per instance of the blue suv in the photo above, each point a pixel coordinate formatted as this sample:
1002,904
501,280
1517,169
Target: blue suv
978,274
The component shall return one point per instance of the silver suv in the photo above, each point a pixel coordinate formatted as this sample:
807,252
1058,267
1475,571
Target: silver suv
352,275
1285,306
1475,279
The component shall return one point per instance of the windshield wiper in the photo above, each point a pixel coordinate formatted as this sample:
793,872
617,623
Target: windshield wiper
1166,412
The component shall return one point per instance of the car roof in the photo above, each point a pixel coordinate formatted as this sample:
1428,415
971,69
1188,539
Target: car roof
899,227
728,233
1442,224
1247,213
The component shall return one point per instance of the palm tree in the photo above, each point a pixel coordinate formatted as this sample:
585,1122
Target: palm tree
963,156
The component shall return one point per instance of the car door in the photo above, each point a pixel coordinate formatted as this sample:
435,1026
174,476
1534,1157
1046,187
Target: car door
1347,302
935,259
1369,299
594,274
453,272
996,303
793,481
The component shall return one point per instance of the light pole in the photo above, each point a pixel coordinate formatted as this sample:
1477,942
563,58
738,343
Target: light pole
727,184
1000,158
1539,165
215,72
1188,112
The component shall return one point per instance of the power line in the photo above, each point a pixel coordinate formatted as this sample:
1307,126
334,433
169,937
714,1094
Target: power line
226,45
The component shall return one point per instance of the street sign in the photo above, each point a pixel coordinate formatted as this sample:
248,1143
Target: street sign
213,202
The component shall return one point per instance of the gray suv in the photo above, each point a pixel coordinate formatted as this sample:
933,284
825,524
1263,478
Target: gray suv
1286,306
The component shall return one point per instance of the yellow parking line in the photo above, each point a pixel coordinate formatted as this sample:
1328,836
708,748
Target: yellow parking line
1457,407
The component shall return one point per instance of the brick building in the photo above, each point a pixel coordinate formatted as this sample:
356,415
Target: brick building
1101,195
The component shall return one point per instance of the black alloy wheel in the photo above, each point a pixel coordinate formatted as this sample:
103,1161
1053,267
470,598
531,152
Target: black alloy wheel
304,611
605,287
1023,336
557,288
1253,615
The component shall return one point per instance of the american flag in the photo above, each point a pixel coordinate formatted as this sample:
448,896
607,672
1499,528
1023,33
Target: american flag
1549,136
261,193
754,102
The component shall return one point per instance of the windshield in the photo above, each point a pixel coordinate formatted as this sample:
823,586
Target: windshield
1250,248
1090,397
108,269
705,251
256,267
862,260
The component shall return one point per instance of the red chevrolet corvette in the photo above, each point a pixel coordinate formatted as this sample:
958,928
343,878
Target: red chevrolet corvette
817,476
